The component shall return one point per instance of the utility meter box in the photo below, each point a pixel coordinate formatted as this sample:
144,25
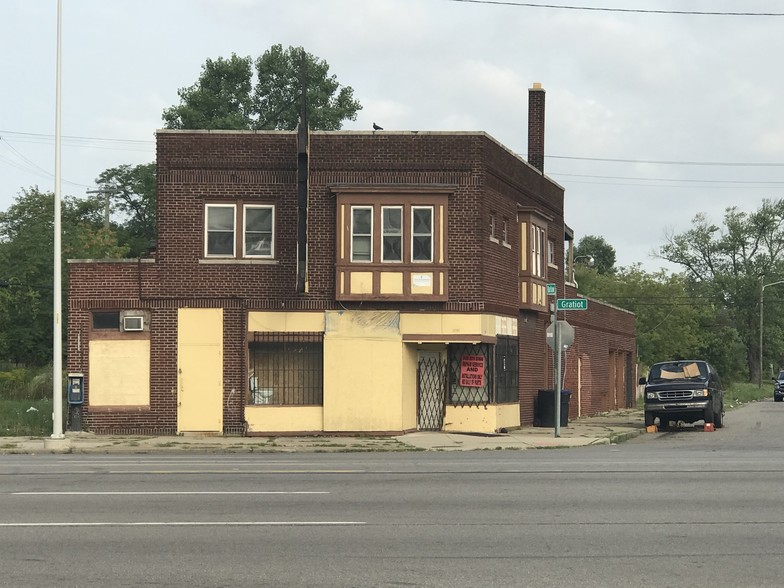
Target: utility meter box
75,389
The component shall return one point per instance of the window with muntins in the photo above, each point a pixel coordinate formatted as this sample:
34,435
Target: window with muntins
220,226
232,228
392,239
259,230
361,233
422,233
537,251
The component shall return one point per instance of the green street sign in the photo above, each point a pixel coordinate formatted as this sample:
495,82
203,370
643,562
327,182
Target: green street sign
551,289
571,304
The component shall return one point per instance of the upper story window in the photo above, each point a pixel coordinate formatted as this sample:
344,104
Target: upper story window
392,239
537,250
391,242
249,228
259,229
505,232
364,239
361,233
551,261
422,233
221,220
493,227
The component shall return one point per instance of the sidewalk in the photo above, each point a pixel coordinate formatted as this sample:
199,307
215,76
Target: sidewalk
613,427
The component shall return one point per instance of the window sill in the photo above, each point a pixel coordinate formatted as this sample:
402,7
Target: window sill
494,240
230,261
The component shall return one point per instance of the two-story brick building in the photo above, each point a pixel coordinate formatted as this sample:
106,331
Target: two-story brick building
373,282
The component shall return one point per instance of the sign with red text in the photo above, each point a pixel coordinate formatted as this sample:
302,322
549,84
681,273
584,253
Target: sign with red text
472,370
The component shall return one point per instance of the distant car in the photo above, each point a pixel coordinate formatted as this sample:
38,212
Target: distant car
778,387
683,390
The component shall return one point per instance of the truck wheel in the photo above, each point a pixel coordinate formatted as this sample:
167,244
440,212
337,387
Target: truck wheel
664,423
649,418
718,418
708,418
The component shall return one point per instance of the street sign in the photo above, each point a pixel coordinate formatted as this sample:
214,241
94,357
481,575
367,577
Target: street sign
551,289
571,304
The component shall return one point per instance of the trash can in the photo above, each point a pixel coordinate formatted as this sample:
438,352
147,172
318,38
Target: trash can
544,408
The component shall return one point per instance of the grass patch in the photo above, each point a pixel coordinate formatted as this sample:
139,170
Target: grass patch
17,418
740,394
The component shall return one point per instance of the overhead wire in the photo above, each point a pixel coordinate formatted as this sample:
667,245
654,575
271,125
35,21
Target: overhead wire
626,10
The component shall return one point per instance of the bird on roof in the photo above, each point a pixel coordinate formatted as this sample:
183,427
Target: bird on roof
377,128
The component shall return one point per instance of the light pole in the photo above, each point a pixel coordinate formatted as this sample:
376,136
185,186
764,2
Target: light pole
763,285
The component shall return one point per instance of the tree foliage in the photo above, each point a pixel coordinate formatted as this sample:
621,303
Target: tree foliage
133,195
226,95
597,248
27,266
731,263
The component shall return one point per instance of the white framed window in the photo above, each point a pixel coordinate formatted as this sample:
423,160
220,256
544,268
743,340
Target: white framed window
492,227
361,233
537,251
392,233
259,233
551,253
219,227
505,231
421,233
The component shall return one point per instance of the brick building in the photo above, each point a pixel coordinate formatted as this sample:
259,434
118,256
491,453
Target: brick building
339,281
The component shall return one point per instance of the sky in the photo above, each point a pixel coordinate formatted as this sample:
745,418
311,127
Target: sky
651,117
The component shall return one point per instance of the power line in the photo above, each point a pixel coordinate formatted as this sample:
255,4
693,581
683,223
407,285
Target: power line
627,10
672,162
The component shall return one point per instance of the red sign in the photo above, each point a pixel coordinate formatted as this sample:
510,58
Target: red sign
472,370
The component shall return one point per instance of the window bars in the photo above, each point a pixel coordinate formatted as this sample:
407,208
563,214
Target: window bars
286,369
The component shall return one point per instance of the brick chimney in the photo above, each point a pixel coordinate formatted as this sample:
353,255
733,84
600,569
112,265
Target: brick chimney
536,126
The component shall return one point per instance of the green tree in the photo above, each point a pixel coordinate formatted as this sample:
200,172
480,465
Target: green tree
597,248
225,96
133,195
731,262
27,266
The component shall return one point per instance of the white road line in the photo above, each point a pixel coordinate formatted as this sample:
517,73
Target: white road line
169,472
146,493
196,524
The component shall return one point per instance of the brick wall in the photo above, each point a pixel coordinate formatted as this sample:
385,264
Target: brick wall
199,167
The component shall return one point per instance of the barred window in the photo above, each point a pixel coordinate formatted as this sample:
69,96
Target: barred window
286,369
470,374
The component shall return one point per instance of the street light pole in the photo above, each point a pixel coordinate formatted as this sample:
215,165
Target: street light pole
763,285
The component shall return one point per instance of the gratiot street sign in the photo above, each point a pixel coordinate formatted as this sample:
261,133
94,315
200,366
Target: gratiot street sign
571,304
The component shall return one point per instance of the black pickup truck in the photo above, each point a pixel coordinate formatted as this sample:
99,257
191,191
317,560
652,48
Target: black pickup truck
683,390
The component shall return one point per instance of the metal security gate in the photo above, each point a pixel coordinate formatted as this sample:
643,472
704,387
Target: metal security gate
431,391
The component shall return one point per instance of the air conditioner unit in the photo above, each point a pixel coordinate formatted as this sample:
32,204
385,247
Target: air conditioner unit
133,323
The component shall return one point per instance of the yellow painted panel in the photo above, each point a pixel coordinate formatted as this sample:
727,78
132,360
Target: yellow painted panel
200,369
524,247
471,419
363,384
441,245
409,390
342,234
508,416
422,282
361,283
524,292
119,373
286,322
391,283
365,387
281,419
463,324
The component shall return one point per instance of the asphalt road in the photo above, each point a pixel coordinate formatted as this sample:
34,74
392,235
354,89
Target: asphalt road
682,508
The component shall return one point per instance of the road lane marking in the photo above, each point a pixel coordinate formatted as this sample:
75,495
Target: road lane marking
146,493
195,524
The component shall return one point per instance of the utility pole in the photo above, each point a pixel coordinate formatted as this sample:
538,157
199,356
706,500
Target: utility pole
106,191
